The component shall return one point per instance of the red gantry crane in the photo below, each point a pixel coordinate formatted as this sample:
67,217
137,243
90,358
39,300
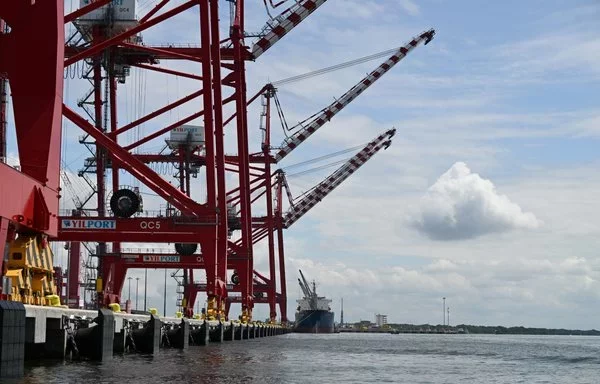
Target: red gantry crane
29,195
298,208
113,45
263,180
108,45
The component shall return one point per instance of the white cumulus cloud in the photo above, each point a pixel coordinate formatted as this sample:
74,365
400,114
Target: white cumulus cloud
463,205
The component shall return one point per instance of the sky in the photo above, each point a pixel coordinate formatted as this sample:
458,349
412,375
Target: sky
485,196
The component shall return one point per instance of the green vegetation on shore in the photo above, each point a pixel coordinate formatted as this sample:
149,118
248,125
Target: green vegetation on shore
497,330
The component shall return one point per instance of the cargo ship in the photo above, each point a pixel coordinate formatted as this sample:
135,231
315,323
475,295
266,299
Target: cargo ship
314,313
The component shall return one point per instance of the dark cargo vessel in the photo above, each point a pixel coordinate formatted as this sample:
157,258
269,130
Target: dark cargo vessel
314,313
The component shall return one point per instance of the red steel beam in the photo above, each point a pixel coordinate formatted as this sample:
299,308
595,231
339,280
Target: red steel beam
155,229
158,112
138,169
30,197
3,105
94,4
97,48
164,130
165,260
222,231
280,248
113,128
153,11
168,53
237,31
170,158
159,51
161,132
73,279
270,224
249,102
167,71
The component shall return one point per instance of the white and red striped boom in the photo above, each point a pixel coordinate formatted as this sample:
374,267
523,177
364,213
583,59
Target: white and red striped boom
284,23
327,114
336,178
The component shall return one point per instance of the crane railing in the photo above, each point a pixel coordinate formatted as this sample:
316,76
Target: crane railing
285,22
319,192
328,113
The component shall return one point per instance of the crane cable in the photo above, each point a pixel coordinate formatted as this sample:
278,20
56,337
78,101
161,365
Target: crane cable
319,168
322,71
335,67
317,159
284,125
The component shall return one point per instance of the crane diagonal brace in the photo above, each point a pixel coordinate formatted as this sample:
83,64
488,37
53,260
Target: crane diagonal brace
328,113
287,21
137,168
336,178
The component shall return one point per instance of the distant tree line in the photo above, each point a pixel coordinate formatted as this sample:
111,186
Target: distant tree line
496,330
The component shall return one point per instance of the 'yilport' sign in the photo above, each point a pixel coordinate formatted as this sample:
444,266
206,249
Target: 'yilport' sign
161,259
71,224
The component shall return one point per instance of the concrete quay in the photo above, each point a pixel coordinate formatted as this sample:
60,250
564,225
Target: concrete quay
36,332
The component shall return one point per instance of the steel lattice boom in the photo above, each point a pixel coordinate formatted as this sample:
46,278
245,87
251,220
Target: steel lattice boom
328,113
336,178
284,23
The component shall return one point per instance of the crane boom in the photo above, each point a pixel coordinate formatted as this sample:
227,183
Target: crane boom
304,288
304,285
336,178
284,23
328,113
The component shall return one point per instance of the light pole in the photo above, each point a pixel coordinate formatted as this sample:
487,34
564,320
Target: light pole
165,296
448,316
145,288
444,310
137,284
129,294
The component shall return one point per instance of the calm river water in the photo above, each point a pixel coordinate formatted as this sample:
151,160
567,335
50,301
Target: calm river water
348,358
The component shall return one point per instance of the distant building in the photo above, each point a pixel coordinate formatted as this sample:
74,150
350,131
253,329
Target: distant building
380,320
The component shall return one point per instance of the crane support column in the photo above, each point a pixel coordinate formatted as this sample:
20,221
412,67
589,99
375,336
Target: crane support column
266,146
222,230
239,80
279,226
215,249
73,278
3,105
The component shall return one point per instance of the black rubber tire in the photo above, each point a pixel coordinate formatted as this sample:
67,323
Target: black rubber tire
186,249
235,279
124,203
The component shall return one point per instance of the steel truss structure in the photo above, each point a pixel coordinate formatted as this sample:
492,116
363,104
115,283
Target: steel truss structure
222,81
29,198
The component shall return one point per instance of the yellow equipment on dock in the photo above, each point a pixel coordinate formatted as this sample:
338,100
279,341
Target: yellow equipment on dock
30,269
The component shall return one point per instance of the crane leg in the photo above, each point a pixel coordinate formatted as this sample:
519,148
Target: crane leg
4,224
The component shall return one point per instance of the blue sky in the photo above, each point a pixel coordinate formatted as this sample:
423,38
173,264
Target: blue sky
498,122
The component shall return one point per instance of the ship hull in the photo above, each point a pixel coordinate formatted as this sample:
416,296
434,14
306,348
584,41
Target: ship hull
314,322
